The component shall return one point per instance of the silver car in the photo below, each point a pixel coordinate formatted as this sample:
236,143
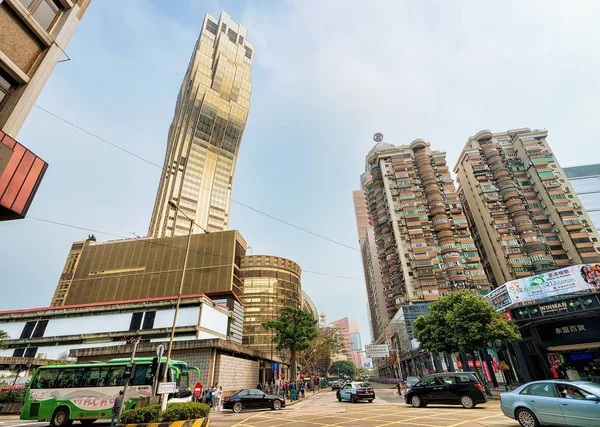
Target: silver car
554,402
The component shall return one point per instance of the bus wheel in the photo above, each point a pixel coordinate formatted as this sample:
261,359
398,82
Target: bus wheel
87,422
60,418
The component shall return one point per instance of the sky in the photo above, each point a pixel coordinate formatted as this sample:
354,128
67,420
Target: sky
327,75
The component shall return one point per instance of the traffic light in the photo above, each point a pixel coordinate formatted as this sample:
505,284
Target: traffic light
129,372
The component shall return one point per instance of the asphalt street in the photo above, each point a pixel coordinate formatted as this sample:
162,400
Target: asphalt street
323,409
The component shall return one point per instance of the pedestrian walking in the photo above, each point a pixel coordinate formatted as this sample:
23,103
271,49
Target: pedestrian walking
219,397
302,390
213,394
259,386
116,408
208,396
277,389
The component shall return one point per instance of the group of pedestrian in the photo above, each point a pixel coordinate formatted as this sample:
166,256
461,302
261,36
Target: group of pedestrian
282,388
212,396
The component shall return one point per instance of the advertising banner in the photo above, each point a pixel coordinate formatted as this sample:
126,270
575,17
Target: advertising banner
576,278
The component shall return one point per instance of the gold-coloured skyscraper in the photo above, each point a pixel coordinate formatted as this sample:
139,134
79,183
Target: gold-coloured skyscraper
205,135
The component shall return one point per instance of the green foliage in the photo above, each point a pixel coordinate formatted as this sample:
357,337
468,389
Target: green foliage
327,344
463,322
12,394
91,237
146,414
174,412
294,330
185,411
344,368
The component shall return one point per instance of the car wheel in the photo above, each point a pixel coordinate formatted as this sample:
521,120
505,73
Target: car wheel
416,401
526,418
352,398
370,400
276,405
237,407
60,418
339,397
467,402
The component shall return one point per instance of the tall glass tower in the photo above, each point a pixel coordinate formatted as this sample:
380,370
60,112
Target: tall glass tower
205,135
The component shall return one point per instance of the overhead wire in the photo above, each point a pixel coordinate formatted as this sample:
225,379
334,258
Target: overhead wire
147,241
118,147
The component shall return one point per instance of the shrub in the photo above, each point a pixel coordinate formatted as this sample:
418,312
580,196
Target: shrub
146,414
11,394
185,411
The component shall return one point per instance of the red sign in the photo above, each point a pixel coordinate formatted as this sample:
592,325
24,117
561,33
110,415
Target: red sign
197,389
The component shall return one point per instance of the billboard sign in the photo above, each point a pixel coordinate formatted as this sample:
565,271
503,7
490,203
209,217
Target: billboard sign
377,350
572,279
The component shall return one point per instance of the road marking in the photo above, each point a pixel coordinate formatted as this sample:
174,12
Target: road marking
475,419
249,418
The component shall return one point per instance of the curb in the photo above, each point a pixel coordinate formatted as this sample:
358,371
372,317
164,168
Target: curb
198,422
307,397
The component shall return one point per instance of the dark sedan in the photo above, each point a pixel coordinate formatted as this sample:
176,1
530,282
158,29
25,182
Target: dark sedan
252,399
453,388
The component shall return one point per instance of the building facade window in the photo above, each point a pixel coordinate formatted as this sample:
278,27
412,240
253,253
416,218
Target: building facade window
45,12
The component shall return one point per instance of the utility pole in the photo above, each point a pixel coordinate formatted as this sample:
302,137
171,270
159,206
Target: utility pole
185,260
136,341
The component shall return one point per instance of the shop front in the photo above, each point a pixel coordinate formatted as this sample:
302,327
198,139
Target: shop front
561,338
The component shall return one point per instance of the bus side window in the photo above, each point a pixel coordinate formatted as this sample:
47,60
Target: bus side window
91,378
78,377
116,376
142,372
104,376
45,378
65,378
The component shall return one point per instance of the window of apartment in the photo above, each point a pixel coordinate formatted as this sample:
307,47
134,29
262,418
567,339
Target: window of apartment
7,86
212,27
44,11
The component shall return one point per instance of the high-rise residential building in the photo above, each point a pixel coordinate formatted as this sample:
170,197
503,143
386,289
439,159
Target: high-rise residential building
206,132
422,238
146,268
378,315
521,207
344,326
362,214
33,36
271,284
586,183
356,344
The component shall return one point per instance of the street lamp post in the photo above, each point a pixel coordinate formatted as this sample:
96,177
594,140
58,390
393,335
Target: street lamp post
185,260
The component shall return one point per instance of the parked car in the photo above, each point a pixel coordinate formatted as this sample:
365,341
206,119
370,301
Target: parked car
356,391
554,402
336,384
452,388
252,399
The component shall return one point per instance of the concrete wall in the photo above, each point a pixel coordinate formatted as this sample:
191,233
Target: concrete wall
234,374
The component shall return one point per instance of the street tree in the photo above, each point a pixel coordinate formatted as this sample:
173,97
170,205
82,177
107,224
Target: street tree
343,368
326,344
294,331
463,322
3,338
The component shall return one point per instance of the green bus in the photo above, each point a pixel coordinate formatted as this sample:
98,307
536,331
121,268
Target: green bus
65,393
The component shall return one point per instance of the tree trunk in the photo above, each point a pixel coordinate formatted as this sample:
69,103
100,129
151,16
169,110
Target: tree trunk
293,363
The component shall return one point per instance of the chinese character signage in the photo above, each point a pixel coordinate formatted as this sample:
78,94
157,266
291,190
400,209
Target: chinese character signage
571,331
553,308
576,278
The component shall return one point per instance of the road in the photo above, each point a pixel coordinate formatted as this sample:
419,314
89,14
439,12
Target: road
324,410
386,410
